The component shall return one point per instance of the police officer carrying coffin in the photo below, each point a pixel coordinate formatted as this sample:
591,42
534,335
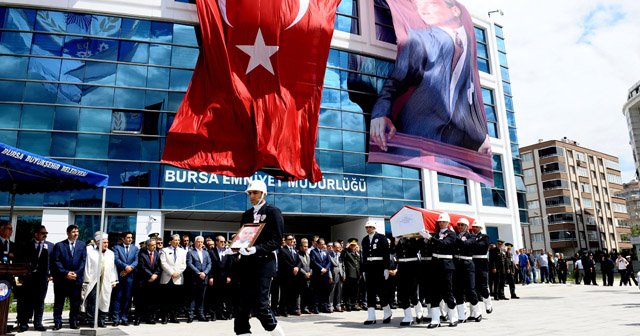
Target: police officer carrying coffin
375,264
408,270
465,280
444,247
481,264
257,264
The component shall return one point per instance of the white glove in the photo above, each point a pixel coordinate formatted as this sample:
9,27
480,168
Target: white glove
425,234
386,274
248,251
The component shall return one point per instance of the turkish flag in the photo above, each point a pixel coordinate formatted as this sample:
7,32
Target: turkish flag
254,97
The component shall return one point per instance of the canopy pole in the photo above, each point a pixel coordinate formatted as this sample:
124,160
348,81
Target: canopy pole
13,204
99,243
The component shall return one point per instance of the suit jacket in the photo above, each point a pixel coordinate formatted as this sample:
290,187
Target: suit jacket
337,267
318,262
287,261
305,265
220,266
195,266
424,65
169,266
351,264
123,259
40,266
64,262
144,270
12,248
263,261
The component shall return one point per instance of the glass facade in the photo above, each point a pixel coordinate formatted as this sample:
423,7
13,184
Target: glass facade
452,189
495,196
100,92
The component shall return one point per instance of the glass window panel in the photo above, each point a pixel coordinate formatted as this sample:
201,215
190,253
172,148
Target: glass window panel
44,69
131,75
66,118
331,78
137,52
94,120
410,173
347,104
483,65
135,29
184,57
492,129
311,205
92,146
11,91
9,137
329,161
10,115
332,205
392,188
511,119
505,74
204,200
159,54
508,102
353,141
330,98
183,34
150,149
13,66
69,94
374,187
40,92
156,97
376,207
3,12
499,32
480,34
97,96
501,46
503,59
487,96
330,118
57,199
35,142
356,206
329,138
161,31
129,98
235,201
63,144
354,163
107,26
51,21
100,73
289,203
391,170
353,121
412,190
482,51
15,43
29,199
103,49
490,112
37,117
47,44
180,79
175,99
20,19
72,71
506,87
513,135
124,147
346,24
78,23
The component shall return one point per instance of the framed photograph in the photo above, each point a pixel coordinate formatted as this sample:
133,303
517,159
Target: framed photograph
246,236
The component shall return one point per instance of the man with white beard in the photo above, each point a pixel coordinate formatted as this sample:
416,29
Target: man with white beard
101,268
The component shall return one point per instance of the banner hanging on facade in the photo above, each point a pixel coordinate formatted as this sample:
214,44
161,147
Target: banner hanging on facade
429,112
254,98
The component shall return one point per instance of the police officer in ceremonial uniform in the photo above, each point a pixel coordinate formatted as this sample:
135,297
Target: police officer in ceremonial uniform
481,264
257,265
510,271
375,264
408,270
465,279
444,247
496,266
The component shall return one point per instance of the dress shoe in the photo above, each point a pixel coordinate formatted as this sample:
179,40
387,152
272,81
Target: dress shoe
474,319
515,297
296,313
57,326
101,324
369,322
174,320
163,320
190,320
23,328
40,328
125,323
202,319
136,322
315,311
431,325
453,324
306,311
74,325
387,320
116,323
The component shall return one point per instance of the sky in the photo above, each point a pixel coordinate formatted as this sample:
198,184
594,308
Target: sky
571,64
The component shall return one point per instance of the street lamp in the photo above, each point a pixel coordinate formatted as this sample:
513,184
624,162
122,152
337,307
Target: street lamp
499,11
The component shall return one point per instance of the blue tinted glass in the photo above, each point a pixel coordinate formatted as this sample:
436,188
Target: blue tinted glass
392,188
131,75
354,163
482,51
135,29
391,170
150,149
51,21
490,112
13,66
346,24
175,99
72,71
513,135
207,200
11,91
330,98
63,144
156,97
487,96
37,117
353,141
10,116
505,74
180,79
107,26
329,161
103,49
16,43
479,34
57,199
159,54
161,31
78,23
289,203
176,199
356,206
184,57
498,180
3,11
501,46
385,34
376,207
332,78
44,68
97,96
9,137
499,32
66,118
353,121
20,19
92,146
348,7
332,205
94,120
508,102
483,65
183,34
374,187
347,104
506,87
29,199
69,94
497,163
124,147
492,129
235,201
47,44
137,52
41,92
410,173
100,73
329,138
129,98
503,59
511,119
35,142
330,118
391,207
311,204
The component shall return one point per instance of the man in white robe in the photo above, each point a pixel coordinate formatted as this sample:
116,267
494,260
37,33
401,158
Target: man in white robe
108,279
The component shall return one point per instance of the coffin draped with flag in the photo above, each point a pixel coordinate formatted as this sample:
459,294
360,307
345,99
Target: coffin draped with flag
254,97
410,220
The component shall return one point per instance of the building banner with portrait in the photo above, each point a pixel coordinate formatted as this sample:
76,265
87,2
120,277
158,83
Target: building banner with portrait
429,112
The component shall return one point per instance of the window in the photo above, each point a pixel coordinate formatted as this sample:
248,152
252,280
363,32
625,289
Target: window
582,172
490,111
537,238
554,184
347,17
532,188
496,195
557,201
613,178
550,151
535,220
587,202
560,218
384,24
529,172
527,157
533,205
561,235
580,156
592,235
619,208
483,50
585,187
452,189
611,164
554,167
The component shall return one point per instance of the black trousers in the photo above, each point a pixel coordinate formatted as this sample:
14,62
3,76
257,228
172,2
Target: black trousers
482,278
374,277
444,284
146,300
175,299
426,281
562,276
275,293
31,299
288,293
512,285
254,282
321,290
408,283
465,282
63,289
496,283
350,292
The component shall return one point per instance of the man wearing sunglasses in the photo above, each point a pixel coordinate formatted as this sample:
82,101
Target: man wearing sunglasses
31,296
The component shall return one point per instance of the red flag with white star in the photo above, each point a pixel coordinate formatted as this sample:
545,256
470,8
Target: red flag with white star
254,97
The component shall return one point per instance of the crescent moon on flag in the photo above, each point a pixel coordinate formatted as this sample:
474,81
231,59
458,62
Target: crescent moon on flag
304,7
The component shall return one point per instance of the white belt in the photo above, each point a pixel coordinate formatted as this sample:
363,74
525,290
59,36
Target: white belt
407,259
442,256
480,256
464,257
374,259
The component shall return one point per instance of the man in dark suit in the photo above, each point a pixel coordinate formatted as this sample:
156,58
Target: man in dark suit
304,277
218,294
37,253
352,275
148,281
126,259
288,261
199,265
321,279
433,84
257,264
6,245
68,261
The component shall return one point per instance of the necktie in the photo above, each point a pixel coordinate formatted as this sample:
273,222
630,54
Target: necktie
5,244
126,251
457,51
151,258
175,254
72,248
293,252
39,248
